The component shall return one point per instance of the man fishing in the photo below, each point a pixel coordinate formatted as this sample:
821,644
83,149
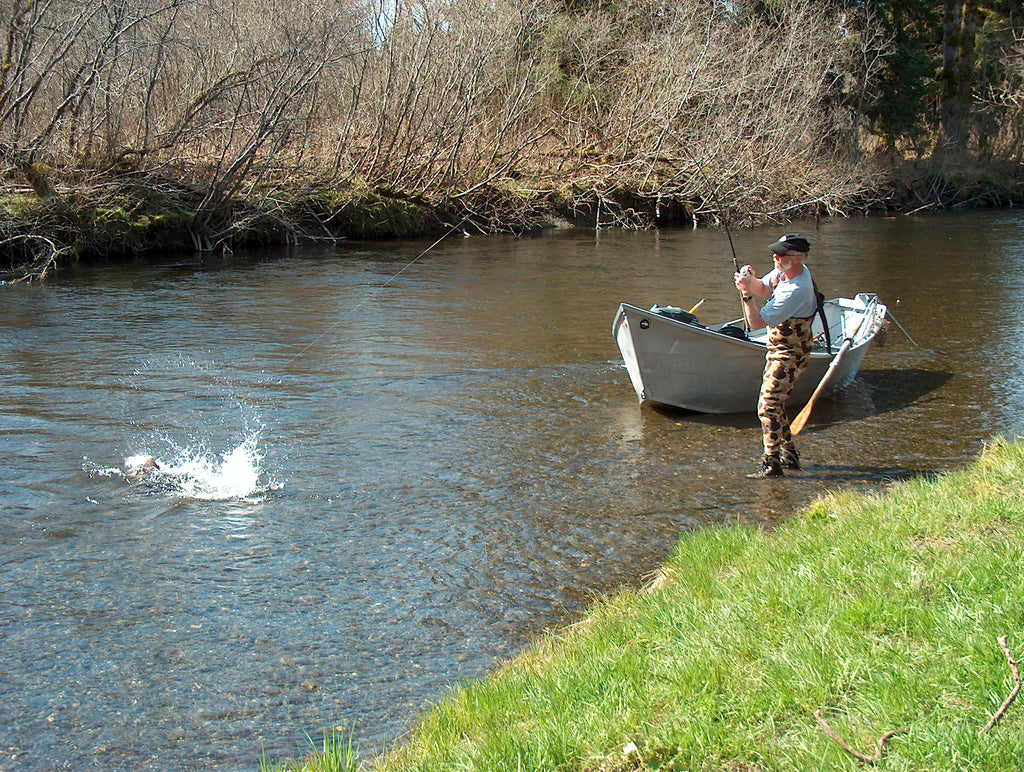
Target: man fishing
788,314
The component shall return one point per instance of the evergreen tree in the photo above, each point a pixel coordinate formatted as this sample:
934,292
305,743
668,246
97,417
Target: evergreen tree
900,108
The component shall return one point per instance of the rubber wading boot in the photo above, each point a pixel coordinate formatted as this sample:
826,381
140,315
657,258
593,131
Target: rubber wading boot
770,467
790,460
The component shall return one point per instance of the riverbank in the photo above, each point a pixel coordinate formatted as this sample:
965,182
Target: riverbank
119,216
860,619
229,128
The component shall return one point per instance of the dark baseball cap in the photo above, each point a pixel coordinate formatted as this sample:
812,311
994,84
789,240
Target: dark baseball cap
791,242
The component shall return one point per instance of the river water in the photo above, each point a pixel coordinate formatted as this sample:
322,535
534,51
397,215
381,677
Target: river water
383,471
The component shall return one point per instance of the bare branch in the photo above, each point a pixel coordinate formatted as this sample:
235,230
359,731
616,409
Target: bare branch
1015,670
45,256
874,759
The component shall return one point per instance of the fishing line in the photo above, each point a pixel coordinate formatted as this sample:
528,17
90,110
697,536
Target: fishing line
714,197
725,220
345,316
195,476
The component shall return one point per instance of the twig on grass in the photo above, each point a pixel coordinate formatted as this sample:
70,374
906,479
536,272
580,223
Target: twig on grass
857,754
1013,694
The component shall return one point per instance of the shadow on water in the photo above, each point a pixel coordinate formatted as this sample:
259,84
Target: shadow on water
876,392
840,447
851,475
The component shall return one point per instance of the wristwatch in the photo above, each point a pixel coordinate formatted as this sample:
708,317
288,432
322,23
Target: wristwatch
747,297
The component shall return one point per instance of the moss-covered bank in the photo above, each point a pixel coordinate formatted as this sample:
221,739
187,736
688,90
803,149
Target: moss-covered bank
122,216
871,613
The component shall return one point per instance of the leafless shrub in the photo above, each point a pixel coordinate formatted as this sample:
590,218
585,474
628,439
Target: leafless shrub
478,106
440,98
710,110
442,103
1001,119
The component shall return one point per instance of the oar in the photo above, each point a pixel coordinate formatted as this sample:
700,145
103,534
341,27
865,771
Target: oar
697,305
889,314
800,421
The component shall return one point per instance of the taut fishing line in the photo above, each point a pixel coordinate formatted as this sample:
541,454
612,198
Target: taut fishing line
345,316
724,215
195,473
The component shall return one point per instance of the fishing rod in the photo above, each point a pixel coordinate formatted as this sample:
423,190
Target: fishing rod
724,219
721,210
714,197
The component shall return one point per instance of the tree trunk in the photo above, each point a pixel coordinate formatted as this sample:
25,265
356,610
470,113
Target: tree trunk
37,178
965,86
959,29
951,138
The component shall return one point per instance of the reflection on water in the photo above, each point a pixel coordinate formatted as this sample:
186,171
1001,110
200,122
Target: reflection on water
376,482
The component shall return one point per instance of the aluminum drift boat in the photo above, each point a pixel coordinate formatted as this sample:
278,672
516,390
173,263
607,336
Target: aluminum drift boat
718,369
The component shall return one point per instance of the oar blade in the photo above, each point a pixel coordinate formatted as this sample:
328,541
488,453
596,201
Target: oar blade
797,424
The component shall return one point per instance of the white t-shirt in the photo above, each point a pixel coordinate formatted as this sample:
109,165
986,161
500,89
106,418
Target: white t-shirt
790,297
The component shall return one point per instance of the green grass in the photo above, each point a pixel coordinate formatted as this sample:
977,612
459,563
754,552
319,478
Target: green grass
881,612
336,753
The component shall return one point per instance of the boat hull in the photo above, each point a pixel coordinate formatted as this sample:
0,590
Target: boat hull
682,365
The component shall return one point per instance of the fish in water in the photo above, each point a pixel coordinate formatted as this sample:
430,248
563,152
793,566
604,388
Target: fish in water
141,467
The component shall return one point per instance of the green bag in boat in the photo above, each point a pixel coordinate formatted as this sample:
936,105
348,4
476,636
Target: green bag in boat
679,314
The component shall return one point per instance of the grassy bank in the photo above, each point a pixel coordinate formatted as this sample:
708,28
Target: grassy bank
876,613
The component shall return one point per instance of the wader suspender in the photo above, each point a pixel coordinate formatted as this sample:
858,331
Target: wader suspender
819,299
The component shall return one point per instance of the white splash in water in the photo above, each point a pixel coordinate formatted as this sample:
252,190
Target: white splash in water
197,474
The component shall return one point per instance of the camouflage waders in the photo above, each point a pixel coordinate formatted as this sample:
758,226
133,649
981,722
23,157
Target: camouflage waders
789,348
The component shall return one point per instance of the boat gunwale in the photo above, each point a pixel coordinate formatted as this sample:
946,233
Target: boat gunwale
861,338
